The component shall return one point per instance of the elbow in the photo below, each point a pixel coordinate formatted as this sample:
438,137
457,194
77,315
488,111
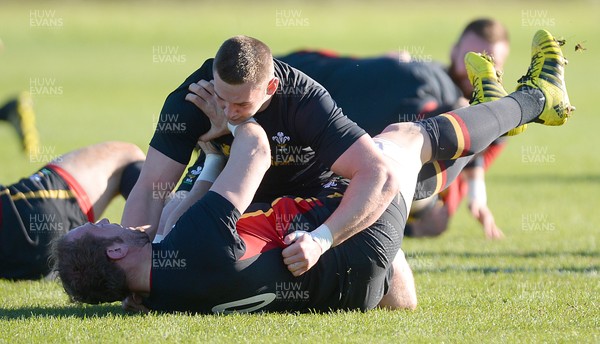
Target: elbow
390,181
262,153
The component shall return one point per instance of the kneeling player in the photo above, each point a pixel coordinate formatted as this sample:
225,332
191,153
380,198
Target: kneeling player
220,268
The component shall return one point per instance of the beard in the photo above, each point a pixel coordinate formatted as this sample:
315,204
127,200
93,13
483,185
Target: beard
138,238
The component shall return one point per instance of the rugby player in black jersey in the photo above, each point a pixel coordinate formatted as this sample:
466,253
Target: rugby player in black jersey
69,191
377,91
202,265
308,134
397,92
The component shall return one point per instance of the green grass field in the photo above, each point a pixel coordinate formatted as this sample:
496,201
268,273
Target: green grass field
102,71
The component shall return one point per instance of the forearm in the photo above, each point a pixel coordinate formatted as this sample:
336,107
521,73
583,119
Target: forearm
369,193
249,160
211,167
170,206
371,190
373,185
142,209
147,199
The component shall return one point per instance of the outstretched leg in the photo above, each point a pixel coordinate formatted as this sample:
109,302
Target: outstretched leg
18,112
99,170
541,97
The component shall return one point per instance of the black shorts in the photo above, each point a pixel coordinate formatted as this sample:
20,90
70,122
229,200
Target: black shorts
367,258
353,275
33,212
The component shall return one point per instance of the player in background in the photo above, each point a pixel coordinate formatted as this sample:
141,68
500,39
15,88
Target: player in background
71,190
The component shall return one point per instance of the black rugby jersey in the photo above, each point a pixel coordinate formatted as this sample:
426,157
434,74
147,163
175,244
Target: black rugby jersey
307,131
201,264
379,91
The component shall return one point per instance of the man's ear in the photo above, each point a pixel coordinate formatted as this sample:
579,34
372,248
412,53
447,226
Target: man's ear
117,251
272,86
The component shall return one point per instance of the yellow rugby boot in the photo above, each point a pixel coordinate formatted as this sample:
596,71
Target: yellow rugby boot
546,73
486,81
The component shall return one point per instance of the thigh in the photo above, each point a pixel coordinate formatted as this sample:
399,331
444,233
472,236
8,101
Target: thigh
34,212
97,170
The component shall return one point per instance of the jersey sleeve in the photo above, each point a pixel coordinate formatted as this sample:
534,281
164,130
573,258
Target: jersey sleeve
180,122
323,126
208,231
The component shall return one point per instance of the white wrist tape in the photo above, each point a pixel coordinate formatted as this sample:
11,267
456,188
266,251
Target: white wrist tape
322,235
477,192
158,238
232,127
213,165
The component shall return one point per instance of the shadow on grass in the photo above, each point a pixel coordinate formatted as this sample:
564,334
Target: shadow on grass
424,262
74,311
592,270
546,178
507,254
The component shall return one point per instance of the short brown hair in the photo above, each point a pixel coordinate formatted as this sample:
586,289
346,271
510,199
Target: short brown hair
87,274
491,30
243,59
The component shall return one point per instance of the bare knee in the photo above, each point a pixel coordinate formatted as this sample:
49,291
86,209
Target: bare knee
125,152
98,169
402,293
406,129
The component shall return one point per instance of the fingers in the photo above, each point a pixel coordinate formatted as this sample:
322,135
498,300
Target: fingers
209,147
484,215
494,233
202,95
203,89
290,238
489,223
293,255
196,100
302,254
297,264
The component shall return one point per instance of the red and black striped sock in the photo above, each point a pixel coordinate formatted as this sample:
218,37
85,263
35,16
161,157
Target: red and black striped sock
470,130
